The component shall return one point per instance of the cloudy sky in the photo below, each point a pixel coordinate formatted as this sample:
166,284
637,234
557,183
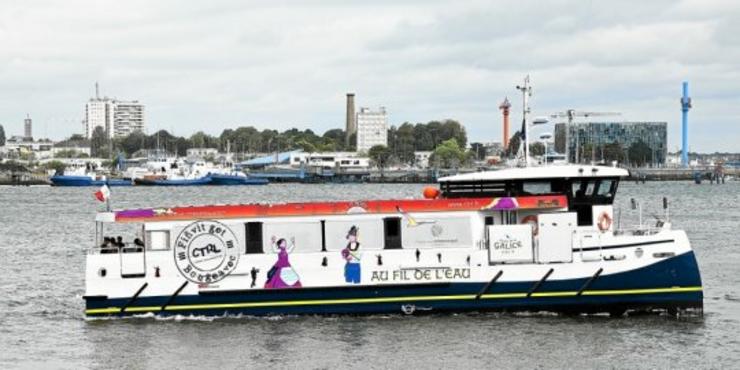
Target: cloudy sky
211,65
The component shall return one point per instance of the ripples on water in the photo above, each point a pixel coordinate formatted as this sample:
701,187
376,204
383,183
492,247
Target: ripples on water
44,232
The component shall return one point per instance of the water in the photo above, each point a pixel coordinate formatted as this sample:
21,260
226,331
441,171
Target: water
44,231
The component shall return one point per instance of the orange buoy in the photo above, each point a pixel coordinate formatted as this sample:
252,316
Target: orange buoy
431,192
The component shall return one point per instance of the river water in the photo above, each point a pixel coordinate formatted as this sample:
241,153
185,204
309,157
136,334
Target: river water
44,233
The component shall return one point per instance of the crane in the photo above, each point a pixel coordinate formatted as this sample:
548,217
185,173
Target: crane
571,114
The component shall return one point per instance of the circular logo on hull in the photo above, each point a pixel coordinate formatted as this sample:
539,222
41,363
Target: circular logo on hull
206,252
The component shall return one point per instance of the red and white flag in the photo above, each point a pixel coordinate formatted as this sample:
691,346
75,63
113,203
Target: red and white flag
103,193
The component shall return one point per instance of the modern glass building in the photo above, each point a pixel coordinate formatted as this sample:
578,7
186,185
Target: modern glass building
590,138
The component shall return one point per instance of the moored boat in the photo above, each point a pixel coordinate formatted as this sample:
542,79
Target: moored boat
235,179
173,181
520,239
87,180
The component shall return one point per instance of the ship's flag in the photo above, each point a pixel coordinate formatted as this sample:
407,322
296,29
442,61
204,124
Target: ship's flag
103,193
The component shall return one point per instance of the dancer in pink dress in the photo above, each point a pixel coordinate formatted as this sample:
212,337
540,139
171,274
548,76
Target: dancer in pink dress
282,275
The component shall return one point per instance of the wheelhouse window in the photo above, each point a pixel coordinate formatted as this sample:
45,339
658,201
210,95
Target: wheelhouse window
585,193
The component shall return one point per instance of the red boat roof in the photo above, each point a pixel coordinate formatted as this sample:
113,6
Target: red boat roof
339,208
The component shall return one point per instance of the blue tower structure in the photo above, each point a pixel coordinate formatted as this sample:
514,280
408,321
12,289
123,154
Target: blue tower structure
685,106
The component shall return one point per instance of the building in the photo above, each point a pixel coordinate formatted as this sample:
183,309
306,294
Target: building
590,138
329,160
372,128
27,129
22,147
128,116
118,118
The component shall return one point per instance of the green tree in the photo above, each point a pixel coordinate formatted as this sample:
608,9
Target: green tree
478,150
448,154
613,152
639,154
99,143
514,144
2,136
57,166
335,137
536,149
452,129
379,154
424,139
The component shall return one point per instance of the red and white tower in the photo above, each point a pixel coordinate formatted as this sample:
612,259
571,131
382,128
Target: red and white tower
505,108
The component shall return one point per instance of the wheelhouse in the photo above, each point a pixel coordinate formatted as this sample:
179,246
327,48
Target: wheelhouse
584,187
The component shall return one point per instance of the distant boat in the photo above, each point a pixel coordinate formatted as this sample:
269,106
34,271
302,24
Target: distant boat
236,179
173,182
86,180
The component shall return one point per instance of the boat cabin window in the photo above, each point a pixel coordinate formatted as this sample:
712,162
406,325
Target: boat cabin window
158,240
536,187
254,237
392,232
586,193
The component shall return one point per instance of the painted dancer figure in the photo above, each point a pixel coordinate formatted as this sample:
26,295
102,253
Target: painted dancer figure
282,275
352,255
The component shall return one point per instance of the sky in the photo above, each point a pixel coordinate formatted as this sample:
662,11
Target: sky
211,65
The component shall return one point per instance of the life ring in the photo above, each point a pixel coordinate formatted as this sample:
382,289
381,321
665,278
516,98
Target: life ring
532,219
604,222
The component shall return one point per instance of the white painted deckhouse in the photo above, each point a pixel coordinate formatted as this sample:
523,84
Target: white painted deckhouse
521,239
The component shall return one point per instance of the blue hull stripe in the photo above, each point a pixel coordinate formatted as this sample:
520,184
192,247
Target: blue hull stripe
674,282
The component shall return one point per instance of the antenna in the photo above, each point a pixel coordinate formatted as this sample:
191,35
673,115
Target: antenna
526,93
97,91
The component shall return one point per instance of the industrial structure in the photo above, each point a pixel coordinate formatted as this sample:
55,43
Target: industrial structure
594,137
118,118
685,106
351,123
505,106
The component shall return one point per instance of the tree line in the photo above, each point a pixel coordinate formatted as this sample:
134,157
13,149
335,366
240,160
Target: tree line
403,140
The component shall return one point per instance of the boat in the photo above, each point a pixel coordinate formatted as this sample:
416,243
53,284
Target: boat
87,180
518,239
172,181
235,178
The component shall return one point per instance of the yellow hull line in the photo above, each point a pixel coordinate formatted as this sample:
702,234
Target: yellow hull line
115,310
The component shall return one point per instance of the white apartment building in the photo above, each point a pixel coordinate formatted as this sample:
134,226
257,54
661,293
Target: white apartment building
372,128
128,116
117,117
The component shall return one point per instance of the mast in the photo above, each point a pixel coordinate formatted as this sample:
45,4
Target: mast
526,90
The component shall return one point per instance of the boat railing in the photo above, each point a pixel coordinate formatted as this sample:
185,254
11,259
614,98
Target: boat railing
640,230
